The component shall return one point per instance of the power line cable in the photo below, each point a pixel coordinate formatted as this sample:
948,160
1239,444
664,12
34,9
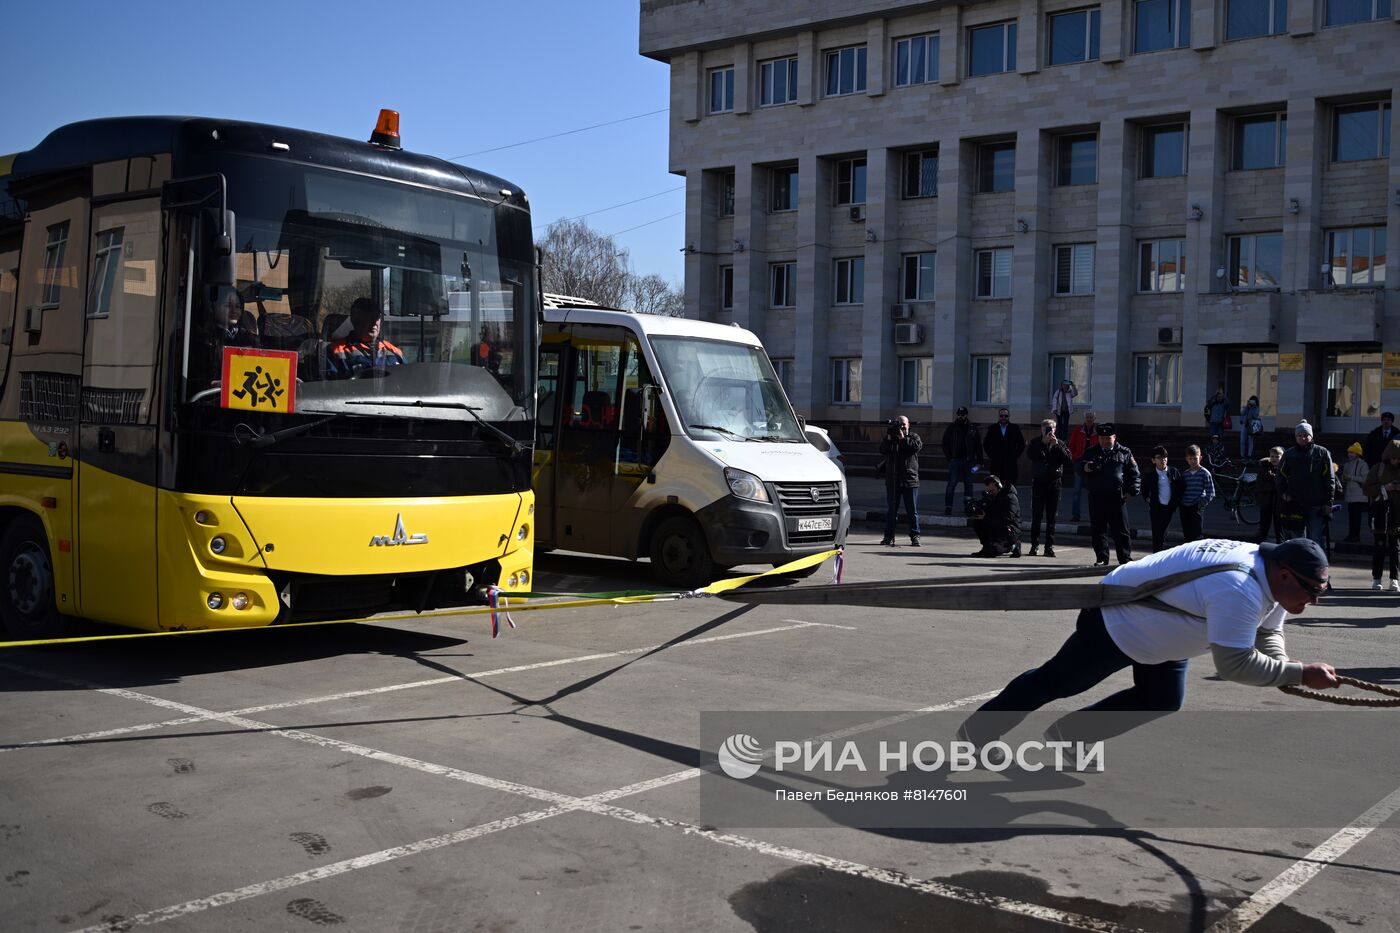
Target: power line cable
611,206
539,139
647,224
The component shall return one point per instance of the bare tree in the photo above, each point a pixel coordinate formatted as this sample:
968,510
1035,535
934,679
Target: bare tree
652,294
584,263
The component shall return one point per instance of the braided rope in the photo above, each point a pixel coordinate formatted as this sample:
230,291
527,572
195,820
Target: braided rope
1350,701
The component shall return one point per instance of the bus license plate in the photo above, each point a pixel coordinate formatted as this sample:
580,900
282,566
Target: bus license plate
814,524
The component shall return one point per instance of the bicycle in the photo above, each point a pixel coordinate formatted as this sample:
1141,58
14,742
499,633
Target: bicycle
1239,501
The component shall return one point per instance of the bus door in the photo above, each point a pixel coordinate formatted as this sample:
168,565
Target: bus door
589,437
116,540
645,435
552,360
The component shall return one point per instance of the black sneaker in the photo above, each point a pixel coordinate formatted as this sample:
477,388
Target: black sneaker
1101,563
1016,550
887,542
1035,549
914,542
1049,551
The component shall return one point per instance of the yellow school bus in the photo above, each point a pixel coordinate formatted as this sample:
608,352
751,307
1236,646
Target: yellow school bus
251,374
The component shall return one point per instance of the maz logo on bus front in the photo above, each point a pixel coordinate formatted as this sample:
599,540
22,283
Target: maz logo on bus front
400,536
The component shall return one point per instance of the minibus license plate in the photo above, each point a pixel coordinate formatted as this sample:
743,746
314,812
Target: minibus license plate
814,524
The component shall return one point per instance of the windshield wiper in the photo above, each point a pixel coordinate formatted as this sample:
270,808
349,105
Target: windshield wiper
514,445
715,427
260,441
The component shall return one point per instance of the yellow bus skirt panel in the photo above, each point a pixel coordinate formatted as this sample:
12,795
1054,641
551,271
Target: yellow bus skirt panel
341,537
205,550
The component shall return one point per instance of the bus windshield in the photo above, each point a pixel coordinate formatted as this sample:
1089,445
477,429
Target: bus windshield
397,300
725,391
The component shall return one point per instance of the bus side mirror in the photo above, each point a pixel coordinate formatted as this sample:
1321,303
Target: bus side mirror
223,265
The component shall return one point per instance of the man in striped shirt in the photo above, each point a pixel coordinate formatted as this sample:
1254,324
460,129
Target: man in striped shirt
1200,489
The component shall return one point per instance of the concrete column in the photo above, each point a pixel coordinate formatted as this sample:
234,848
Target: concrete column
1029,278
689,87
1205,23
750,265
1113,36
880,392
808,69
1029,24
1298,391
699,299
950,45
812,389
877,51
1115,268
1205,189
1390,331
952,372
744,77
1302,21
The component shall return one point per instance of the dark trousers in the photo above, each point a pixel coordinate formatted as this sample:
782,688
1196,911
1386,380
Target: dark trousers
998,536
1108,515
1268,516
1356,514
1045,502
959,471
1191,522
894,495
1062,427
1086,659
1386,546
1161,517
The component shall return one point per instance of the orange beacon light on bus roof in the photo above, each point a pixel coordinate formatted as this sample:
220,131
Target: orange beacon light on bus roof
386,131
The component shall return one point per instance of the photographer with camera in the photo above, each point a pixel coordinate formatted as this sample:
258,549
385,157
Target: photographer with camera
1048,456
996,518
900,448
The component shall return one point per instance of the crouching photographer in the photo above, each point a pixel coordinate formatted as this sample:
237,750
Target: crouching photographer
996,517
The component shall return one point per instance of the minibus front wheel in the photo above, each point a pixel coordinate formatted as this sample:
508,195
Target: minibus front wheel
680,555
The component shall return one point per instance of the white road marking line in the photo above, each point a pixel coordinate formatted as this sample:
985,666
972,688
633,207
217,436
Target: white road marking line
850,628
1305,869
563,803
391,688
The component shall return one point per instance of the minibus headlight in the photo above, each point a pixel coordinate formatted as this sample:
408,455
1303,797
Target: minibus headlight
745,485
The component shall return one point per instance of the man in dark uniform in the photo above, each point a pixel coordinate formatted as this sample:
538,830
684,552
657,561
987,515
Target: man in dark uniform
1111,474
1003,446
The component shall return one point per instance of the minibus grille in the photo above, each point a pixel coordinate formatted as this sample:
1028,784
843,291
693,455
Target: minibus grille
802,502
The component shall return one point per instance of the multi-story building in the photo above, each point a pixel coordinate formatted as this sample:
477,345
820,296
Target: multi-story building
918,205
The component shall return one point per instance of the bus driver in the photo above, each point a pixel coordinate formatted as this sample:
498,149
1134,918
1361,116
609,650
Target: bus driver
363,348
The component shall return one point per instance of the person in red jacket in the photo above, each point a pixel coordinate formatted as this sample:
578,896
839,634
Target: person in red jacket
1081,439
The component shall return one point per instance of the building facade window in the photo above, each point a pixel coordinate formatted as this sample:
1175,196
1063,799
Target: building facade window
989,379
996,167
921,174
1076,368
1253,373
782,189
55,251
1161,24
918,276
993,272
1360,132
1074,269
722,89
850,181
1341,12
1245,19
1261,141
1077,159
845,71
850,280
991,49
726,288
1074,37
916,381
1164,150
1161,265
845,380
916,60
782,287
777,82
1157,379
726,194
106,263
1356,257
783,368
1256,260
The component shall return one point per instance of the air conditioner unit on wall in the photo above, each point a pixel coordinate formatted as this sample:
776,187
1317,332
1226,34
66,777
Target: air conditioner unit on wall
1166,336
857,213
901,312
908,333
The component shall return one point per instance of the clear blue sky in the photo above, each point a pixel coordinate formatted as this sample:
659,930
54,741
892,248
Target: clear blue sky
465,76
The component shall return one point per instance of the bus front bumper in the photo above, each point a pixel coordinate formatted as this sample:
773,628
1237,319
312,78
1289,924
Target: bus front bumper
743,531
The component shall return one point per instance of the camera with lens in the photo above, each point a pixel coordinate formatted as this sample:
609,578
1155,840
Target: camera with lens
892,428
975,508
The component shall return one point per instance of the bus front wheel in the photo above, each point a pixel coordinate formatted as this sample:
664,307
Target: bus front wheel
27,607
680,556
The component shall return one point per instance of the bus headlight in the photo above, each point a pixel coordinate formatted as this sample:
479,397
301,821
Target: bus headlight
522,533
745,485
216,601
239,601
524,577
218,545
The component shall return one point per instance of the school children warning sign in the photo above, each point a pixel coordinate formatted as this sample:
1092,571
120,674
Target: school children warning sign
260,380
